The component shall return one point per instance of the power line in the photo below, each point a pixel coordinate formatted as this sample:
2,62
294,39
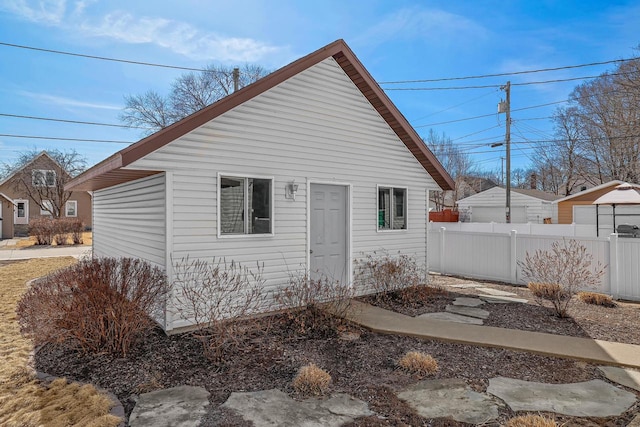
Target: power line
50,119
102,58
64,139
482,76
454,106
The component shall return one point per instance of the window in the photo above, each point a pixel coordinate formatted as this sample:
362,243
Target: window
47,207
239,196
71,208
392,208
42,178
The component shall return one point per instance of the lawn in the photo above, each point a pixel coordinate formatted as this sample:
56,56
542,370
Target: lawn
25,401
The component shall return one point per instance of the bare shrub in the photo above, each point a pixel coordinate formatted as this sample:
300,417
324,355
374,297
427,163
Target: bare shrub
318,305
60,229
597,299
219,297
531,421
43,229
74,227
386,274
101,305
311,380
567,265
416,362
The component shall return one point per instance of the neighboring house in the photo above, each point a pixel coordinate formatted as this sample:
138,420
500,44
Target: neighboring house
526,206
42,170
579,208
310,167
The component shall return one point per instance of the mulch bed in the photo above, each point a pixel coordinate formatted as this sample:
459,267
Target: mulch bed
364,367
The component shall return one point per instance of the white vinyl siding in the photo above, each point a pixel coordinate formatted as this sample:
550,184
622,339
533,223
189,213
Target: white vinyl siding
316,126
490,206
129,220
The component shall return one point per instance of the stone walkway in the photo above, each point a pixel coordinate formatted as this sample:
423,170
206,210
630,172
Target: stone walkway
442,398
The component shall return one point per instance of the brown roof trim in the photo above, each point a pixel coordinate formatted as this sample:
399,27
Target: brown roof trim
109,172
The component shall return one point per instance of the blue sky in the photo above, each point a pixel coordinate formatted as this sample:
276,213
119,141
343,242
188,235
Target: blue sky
395,40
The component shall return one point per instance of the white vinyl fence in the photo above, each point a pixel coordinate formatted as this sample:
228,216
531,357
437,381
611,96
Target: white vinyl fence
495,256
573,230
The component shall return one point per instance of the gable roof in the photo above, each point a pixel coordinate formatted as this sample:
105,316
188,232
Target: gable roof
536,194
590,190
110,171
36,157
543,195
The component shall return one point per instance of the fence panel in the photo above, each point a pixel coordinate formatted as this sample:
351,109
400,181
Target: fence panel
628,260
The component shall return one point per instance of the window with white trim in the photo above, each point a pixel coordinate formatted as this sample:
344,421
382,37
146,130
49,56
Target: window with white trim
392,208
71,208
47,207
43,178
245,205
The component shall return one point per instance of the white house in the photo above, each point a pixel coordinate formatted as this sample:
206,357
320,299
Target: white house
312,166
526,206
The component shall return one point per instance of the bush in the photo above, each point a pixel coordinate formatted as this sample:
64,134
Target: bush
531,421
559,273
43,229
219,297
385,274
311,380
597,299
56,230
318,305
419,363
101,305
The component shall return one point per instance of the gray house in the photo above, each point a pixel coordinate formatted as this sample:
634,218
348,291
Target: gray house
310,166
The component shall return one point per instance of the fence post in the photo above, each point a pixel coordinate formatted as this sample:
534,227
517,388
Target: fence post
442,239
613,266
514,258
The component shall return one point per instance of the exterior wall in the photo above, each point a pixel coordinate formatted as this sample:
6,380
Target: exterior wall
315,127
129,220
565,209
535,210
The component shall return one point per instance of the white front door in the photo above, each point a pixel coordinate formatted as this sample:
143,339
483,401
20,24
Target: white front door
21,211
329,232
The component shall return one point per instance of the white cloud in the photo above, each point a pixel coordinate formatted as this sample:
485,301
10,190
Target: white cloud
428,25
67,102
179,37
49,12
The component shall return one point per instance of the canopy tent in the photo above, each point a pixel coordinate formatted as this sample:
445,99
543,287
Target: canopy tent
623,194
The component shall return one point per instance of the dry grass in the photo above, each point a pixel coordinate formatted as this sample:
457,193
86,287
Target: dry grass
31,241
531,421
418,363
311,380
24,401
597,299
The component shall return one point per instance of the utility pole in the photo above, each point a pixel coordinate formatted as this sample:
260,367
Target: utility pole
502,170
507,140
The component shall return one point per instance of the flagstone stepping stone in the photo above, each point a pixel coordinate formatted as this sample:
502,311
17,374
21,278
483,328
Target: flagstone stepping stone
468,302
451,317
182,406
466,285
450,398
468,311
496,292
594,398
626,377
275,408
496,299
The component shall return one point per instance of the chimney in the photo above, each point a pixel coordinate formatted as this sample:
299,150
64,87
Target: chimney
236,79
534,181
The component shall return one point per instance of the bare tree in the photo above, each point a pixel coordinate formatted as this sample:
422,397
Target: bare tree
189,93
43,182
454,160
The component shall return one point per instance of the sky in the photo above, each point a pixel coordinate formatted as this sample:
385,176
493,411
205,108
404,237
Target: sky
396,40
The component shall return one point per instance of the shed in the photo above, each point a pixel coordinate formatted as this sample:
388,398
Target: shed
310,167
526,206
579,208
